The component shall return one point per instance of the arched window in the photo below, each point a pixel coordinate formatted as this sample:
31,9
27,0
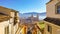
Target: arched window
58,8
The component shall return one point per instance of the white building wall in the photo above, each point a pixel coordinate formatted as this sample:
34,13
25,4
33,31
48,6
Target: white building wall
15,28
11,26
11,21
12,14
2,26
18,16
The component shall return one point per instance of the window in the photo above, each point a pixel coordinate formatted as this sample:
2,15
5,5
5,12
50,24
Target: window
49,29
15,21
7,30
58,8
15,18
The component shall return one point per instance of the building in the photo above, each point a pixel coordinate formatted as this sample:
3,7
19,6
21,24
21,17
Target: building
32,19
28,25
9,21
23,30
52,21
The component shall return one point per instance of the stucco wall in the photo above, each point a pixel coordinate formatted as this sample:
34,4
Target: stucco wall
12,14
50,7
18,17
2,26
11,25
15,28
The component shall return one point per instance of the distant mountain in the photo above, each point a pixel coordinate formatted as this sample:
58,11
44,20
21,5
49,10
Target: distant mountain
30,13
35,13
44,13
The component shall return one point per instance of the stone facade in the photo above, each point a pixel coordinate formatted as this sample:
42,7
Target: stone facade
51,8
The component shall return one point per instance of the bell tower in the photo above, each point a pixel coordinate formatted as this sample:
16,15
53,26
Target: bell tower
37,16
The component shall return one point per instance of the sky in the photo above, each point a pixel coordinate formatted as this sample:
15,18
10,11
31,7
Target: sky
25,6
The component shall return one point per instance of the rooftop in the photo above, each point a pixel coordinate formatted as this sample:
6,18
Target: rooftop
4,17
55,21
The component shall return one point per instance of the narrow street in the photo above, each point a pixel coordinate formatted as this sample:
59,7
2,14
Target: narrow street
29,25
29,16
28,29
